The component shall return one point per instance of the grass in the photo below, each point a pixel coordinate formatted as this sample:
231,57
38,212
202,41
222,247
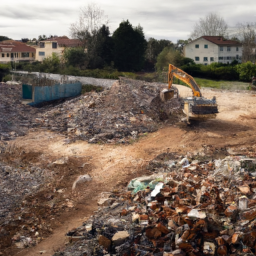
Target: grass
90,88
221,84
227,85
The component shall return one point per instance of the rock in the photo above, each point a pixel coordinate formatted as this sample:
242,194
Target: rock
105,242
105,201
81,179
120,237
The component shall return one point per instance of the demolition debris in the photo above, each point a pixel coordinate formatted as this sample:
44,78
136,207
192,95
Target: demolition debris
128,109
187,207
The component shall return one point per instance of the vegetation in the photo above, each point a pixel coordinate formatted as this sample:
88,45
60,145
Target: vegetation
90,88
211,25
129,47
3,38
4,70
170,55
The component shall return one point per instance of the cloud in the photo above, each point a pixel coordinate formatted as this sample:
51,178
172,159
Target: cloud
165,19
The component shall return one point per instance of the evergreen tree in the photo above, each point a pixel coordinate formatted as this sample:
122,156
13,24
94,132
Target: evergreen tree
129,47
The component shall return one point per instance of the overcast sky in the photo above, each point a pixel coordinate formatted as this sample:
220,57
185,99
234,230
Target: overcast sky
163,19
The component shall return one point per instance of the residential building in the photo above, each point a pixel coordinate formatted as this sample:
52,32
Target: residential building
208,49
56,45
11,50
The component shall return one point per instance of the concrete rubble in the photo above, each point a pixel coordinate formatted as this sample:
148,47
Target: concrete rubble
16,118
206,207
117,115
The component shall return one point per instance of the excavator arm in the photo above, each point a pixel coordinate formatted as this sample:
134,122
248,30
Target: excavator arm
184,77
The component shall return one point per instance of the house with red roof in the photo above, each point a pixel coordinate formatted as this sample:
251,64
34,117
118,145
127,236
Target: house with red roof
208,49
56,45
11,50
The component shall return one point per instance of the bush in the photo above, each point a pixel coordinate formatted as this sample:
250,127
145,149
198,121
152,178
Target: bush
90,87
4,70
246,71
7,78
216,71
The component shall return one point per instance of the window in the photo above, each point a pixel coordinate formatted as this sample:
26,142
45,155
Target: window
220,58
228,48
237,49
7,55
211,59
228,58
205,58
41,45
237,57
197,58
41,53
24,54
206,46
2,55
12,55
54,45
221,48
197,45
32,54
205,64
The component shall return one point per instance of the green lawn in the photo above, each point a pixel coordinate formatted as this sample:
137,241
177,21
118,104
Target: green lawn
227,85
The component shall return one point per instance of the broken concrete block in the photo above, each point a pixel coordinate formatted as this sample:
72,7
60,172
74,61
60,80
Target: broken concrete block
120,237
209,248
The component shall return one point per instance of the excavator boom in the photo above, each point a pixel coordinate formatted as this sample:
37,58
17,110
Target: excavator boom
184,77
196,107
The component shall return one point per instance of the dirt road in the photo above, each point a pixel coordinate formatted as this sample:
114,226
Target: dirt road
112,166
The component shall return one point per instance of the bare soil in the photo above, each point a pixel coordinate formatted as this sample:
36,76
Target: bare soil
112,166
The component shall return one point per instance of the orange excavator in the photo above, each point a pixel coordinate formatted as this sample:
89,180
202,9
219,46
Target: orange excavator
196,107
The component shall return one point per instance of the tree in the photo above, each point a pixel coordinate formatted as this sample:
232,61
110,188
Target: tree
154,47
42,37
246,71
181,43
91,19
247,36
129,47
100,48
75,57
51,64
211,25
3,38
168,56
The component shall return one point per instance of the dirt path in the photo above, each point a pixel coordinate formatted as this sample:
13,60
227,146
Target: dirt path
115,165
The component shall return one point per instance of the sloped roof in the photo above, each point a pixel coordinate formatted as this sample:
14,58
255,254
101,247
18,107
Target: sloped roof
65,41
219,40
15,46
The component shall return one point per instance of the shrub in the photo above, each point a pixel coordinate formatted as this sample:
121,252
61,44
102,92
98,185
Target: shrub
246,71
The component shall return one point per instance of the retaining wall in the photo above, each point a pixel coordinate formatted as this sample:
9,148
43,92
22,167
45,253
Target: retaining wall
84,80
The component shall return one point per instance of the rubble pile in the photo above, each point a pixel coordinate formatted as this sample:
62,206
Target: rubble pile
17,183
16,118
116,115
191,207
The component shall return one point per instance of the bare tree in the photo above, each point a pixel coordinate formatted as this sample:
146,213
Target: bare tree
211,25
91,19
247,35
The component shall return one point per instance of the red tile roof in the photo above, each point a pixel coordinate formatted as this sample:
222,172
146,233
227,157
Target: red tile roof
65,41
219,40
15,46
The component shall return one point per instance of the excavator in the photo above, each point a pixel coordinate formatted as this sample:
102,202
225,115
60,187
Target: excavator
196,107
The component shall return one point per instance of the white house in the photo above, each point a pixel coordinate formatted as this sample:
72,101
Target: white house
208,49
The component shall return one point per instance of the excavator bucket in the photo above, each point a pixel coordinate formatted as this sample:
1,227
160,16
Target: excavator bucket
166,95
